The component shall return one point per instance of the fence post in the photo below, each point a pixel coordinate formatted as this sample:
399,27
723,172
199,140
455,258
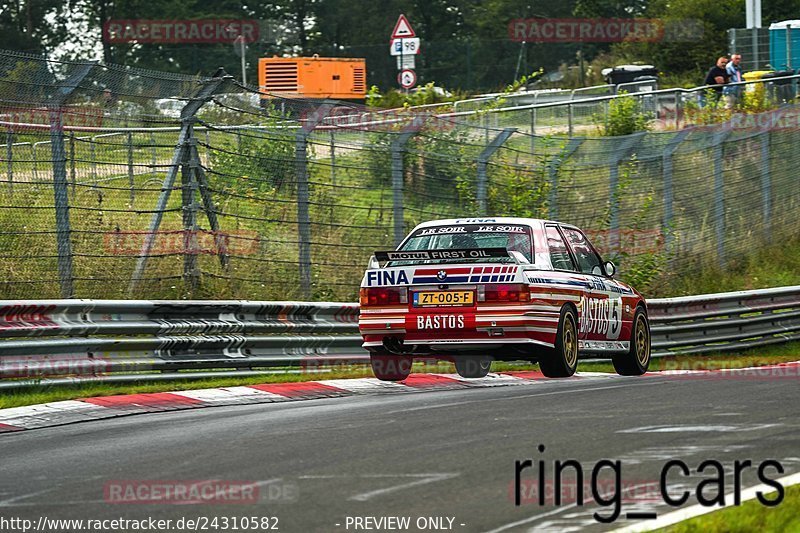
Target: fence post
220,241
203,95
719,195
483,161
303,196
130,166
666,172
623,152
189,209
303,216
398,148
766,185
60,184
208,143
92,153
72,160
333,160
155,157
569,117
533,123
10,156
35,159
552,173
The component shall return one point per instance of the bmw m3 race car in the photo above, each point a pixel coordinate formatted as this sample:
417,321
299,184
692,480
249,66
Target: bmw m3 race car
478,289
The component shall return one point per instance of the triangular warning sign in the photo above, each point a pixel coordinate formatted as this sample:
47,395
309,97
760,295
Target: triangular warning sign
402,28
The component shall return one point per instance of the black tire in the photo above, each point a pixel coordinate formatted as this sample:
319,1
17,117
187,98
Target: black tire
562,360
473,366
636,360
390,367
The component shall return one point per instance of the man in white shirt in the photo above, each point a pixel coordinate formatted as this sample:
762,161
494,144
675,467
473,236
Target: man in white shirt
732,92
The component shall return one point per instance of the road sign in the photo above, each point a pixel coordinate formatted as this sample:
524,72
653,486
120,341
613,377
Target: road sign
402,47
406,62
407,78
402,28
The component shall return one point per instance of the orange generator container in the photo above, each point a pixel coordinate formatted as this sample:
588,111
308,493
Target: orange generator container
313,77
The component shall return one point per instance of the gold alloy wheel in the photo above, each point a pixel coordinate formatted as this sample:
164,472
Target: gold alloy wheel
642,341
570,343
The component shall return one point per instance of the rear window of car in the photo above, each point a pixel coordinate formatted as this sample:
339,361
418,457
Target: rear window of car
471,236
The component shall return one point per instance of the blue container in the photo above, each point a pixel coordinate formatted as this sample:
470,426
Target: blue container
784,45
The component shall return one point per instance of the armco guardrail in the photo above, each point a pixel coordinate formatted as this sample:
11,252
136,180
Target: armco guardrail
116,340
64,341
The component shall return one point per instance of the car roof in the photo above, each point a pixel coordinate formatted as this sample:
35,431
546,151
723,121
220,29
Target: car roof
488,220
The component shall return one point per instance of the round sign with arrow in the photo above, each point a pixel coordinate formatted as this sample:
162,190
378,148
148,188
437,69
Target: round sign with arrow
407,78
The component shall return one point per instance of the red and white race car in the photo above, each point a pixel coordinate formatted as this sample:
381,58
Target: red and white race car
476,289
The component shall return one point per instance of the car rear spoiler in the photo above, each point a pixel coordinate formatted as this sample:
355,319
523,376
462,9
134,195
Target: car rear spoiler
454,255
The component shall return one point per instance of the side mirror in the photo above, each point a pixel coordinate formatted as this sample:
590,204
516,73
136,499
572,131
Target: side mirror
373,263
610,269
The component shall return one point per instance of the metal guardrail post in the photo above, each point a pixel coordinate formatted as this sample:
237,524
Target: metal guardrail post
188,112
92,155
129,139
303,196
10,157
35,159
398,149
719,195
569,118
155,152
482,163
333,159
553,167
766,186
533,122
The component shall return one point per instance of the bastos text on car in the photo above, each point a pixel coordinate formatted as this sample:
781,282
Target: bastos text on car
475,290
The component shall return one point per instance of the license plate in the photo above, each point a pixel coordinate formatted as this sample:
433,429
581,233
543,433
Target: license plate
443,299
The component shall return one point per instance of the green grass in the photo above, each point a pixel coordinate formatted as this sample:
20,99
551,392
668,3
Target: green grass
776,265
42,394
750,516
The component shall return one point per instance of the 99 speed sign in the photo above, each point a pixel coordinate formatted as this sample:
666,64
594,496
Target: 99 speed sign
407,78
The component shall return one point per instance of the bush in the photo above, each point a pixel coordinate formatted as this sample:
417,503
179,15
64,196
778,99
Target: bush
625,116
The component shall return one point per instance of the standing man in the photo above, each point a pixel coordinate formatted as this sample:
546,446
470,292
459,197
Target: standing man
732,92
717,77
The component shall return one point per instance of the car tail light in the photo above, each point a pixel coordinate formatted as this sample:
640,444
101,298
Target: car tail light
383,296
503,293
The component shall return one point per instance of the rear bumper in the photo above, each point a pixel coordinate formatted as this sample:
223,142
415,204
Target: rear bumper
517,328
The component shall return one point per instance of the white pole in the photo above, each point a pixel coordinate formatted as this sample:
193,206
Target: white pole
244,64
753,11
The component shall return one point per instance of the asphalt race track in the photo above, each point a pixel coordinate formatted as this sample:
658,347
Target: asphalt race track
445,454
